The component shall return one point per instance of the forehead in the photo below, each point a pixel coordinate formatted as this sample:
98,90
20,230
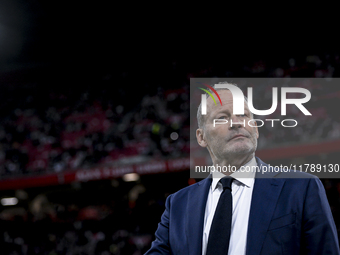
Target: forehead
225,95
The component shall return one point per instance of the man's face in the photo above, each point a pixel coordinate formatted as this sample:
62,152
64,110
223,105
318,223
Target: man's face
224,141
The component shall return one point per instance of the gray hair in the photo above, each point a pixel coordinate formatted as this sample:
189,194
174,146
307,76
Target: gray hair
200,117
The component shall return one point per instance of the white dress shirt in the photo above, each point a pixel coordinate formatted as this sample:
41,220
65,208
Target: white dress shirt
242,189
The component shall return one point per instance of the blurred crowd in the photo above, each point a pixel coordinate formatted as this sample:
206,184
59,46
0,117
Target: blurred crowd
70,230
109,217
53,131
65,134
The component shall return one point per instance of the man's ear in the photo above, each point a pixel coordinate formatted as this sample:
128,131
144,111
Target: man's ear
200,138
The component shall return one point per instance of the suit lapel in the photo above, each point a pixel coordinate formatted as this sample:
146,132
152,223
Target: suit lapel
265,195
197,199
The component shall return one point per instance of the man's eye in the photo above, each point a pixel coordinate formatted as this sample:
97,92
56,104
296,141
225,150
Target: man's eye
222,117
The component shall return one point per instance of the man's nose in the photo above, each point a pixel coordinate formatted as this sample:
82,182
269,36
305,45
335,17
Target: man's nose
236,122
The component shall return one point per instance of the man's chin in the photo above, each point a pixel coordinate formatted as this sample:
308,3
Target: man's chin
240,150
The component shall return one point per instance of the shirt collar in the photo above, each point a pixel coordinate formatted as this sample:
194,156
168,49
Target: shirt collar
245,177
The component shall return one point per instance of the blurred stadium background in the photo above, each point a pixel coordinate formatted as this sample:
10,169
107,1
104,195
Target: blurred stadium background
94,124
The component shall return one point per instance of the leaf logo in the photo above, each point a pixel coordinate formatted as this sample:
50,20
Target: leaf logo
212,89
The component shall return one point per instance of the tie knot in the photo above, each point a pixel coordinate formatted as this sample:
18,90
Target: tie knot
226,182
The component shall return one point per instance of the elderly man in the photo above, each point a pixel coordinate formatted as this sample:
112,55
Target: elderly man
249,212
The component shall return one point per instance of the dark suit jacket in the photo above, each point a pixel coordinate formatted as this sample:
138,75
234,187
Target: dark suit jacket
287,216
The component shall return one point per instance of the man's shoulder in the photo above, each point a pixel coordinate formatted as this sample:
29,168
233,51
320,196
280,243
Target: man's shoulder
294,174
269,171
